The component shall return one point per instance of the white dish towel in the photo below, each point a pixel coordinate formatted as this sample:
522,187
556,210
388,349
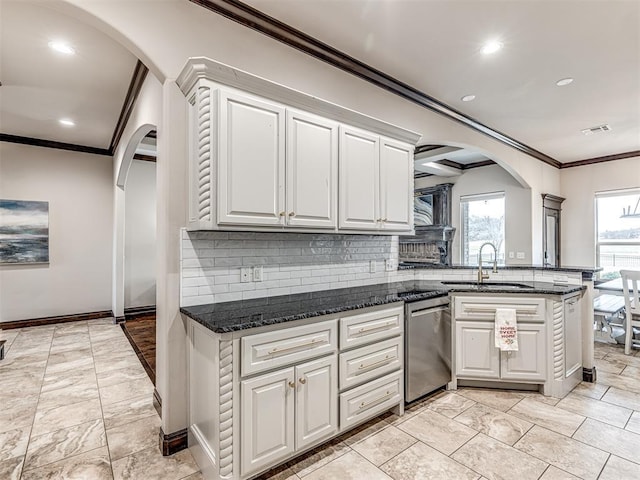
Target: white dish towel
506,329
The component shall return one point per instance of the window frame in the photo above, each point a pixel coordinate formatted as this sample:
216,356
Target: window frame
463,234
604,243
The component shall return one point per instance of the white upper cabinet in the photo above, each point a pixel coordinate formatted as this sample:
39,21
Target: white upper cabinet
376,182
251,160
396,185
263,156
359,179
312,170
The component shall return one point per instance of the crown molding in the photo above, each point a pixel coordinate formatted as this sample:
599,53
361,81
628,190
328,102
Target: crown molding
257,20
38,142
606,158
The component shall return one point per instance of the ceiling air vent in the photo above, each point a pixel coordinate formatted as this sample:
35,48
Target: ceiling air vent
600,128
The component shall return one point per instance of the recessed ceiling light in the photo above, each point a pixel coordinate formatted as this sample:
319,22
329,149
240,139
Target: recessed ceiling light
61,47
66,122
468,98
564,81
491,47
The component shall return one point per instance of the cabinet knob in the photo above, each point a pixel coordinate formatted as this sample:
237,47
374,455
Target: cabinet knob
302,380
292,384
384,219
292,214
282,214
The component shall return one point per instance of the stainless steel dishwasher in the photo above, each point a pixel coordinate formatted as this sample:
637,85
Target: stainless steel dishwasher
427,365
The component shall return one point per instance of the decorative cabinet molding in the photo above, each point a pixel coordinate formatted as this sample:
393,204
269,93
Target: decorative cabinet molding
549,342
263,156
257,399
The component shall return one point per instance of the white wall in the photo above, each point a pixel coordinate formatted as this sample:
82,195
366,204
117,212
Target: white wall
140,235
579,186
78,189
518,224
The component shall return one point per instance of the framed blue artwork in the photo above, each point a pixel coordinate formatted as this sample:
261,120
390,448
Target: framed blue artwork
24,232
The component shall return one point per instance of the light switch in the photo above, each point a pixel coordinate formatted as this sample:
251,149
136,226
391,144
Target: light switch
512,255
257,273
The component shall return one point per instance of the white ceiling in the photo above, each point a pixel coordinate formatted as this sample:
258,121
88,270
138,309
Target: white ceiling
40,86
432,45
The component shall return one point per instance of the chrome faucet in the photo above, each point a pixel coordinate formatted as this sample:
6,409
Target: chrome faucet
481,275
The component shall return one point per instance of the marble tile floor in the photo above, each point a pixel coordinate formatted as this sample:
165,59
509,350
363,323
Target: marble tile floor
73,408
76,403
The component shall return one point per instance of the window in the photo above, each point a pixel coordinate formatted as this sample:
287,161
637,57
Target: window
617,232
482,220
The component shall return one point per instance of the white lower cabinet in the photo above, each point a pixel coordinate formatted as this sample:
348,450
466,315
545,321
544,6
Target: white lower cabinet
477,357
316,401
530,361
257,399
287,410
268,415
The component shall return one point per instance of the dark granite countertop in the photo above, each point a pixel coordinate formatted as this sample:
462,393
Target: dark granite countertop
244,314
418,265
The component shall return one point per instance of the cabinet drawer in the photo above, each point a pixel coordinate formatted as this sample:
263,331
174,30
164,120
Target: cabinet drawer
362,364
269,350
370,399
368,327
484,308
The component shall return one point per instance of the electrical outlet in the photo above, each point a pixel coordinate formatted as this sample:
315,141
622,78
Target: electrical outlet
245,275
520,255
512,255
257,273
372,266
389,265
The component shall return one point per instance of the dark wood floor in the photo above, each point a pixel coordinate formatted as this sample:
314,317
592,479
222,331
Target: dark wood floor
141,332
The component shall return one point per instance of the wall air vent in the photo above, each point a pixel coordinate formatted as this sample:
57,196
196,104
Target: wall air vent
600,128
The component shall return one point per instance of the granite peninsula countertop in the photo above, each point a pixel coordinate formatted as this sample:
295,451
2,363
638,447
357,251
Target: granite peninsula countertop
573,269
259,312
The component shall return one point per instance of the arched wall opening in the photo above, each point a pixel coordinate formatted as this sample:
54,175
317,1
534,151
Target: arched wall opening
490,179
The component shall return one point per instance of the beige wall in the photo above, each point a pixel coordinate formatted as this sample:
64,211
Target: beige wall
579,186
140,235
78,189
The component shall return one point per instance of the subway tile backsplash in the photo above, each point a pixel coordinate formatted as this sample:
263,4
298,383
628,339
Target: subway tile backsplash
291,262
302,262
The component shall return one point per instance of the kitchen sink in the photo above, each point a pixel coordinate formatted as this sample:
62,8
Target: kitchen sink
496,285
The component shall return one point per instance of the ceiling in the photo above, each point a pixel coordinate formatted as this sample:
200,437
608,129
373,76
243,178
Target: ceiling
41,86
431,45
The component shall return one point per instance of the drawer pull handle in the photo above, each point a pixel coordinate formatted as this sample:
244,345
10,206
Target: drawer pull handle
377,400
375,364
302,380
292,384
279,350
371,329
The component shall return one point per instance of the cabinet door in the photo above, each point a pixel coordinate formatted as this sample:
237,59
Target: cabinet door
359,179
476,354
251,154
529,362
572,336
312,170
267,419
316,401
396,185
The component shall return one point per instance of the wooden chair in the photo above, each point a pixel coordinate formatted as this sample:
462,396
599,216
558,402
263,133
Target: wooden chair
630,281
